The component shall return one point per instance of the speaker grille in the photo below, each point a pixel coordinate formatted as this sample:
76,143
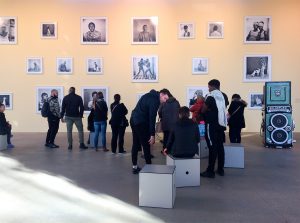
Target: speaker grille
279,121
279,136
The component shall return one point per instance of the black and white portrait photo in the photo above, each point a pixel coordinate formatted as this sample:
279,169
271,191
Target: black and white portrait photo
43,93
94,66
7,100
89,94
193,92
215,30
48,30
8,30
144,69
94,30
255,100
200,65
34,65
64,65
257,68
145,30
186,30
258,29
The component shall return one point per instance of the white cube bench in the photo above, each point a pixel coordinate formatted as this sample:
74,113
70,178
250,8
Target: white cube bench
157,186
203,149
187,172
3,142
234,155
92,136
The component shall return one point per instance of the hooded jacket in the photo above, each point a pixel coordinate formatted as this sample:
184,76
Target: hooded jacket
168,113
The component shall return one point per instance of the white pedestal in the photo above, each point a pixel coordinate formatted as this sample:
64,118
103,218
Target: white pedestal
92,135
234,155
187,172
3,142
203,148
157,186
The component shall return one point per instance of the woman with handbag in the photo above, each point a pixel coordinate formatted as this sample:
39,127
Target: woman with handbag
236,120
118,123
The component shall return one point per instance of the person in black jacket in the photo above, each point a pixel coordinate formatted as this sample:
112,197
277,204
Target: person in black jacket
5,127
72,112
100,120
118,123
142,123
183,140
236,120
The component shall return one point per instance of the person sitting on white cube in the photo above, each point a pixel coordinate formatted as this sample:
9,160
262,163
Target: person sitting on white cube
183,140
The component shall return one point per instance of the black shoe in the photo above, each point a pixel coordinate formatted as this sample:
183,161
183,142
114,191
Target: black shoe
208,174
221,172
96,149
82,146
56,146
123,152
52,146
152,156
47,144
136,170
70,147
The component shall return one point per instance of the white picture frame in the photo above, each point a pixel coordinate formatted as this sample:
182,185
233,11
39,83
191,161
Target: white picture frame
191,94
8,30
64,65
42,94
144,30
48,30
215,30
186,30
200,65
94,30
255,101
253,34
144,69
86,94
34,65
6,98
94,65
257,68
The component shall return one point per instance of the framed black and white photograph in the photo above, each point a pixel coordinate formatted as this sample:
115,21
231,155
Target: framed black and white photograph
139,95
257,68
34,65
186,30
94,66
144,69
145,30
94,30
8,30
64,65
200,65
215,30
43,93
89,93
255,101
6,99
193,92
258,29
48,30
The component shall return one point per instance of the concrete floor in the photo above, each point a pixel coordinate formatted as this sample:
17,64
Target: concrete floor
267,190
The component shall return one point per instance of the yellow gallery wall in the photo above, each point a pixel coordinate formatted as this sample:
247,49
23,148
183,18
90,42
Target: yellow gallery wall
226,55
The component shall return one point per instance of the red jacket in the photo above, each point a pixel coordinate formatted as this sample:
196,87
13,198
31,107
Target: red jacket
196,109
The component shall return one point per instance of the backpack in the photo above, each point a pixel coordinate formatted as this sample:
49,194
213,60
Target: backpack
45,111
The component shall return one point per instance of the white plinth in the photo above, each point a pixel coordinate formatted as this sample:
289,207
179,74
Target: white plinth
187,172
3,142
157,186
203,149
234,155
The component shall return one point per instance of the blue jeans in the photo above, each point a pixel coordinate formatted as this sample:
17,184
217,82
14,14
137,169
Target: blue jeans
100,127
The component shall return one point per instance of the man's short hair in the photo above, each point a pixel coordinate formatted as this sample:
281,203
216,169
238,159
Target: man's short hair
72,90
44,94
2,105
184,112
166,91
100,95
94,92
54,90
214,83
185,27
91,23
236,96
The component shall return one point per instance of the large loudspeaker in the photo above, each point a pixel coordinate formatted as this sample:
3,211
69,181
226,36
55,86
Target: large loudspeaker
277,115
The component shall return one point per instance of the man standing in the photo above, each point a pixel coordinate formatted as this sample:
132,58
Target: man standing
142,123
53,119
214,111
72,107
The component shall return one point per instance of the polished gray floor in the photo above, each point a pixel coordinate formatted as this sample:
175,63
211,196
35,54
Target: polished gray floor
267,190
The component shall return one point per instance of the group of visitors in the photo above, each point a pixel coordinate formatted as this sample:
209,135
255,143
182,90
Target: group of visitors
181,133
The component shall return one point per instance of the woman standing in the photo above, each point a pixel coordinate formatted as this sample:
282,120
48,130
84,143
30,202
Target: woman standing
118,124
236,118
100,120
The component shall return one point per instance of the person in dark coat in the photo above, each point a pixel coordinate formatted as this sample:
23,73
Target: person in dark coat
183,140
236,120
142,122
168,114
5,127
118,123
